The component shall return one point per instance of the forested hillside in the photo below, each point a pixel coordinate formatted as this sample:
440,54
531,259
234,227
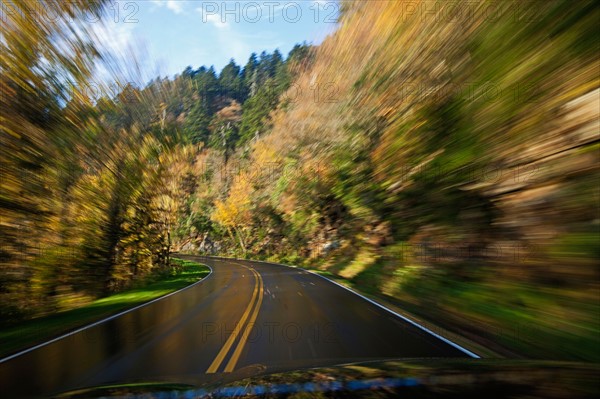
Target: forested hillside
448,163
96,190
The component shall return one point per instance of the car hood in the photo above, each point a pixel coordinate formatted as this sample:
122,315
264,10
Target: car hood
477,378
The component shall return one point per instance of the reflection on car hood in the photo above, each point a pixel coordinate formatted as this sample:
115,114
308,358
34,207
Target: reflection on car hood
404,378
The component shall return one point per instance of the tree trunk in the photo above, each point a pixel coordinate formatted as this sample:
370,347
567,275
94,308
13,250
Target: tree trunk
241,240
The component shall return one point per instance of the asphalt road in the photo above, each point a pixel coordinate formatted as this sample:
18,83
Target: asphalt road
243,319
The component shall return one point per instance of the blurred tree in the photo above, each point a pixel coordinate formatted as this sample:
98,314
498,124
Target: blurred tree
230,82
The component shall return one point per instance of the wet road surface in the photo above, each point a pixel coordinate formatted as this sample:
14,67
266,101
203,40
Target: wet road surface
243,319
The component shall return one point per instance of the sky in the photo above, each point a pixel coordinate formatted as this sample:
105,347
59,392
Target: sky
178,33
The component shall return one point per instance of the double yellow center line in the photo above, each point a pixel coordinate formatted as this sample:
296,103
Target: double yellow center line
242,328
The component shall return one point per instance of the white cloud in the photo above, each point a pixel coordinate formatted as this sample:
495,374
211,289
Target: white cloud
115,41
116,38
214,19
173,5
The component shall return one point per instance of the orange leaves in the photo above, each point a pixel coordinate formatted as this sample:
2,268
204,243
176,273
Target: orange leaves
232,112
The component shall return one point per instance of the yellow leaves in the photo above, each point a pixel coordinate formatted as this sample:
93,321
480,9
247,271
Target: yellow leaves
225,214
264,153
166,203
235,210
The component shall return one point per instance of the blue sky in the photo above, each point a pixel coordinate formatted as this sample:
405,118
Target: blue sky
178,33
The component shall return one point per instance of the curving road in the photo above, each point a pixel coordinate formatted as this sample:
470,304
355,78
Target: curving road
243,319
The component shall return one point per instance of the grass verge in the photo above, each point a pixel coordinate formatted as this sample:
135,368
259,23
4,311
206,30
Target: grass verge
34,331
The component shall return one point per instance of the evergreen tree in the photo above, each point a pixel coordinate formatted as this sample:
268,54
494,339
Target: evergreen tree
230,81
207,86
249,77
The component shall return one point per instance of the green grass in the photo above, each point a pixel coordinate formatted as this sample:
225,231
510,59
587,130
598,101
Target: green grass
35,331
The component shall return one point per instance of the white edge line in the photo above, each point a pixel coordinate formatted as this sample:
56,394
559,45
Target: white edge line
446,340
103,320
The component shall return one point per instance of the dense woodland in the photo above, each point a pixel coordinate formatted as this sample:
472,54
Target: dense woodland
95,191
450,164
